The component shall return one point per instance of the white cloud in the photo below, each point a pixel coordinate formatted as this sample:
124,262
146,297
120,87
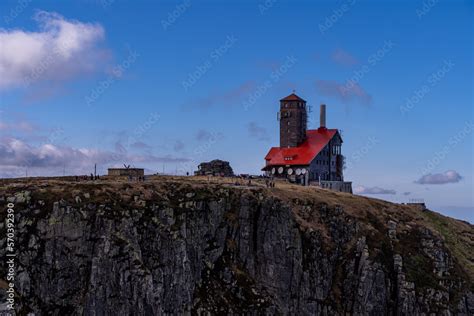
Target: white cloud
449,176
374,190
61,49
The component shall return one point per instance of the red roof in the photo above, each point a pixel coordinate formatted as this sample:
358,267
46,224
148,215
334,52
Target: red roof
292,97
315,141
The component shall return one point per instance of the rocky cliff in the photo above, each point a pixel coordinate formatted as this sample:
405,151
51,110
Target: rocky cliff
183,246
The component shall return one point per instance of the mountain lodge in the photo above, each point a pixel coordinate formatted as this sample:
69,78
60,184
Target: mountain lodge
307,157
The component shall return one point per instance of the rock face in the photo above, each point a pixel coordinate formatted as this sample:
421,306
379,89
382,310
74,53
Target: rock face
183,248
215,168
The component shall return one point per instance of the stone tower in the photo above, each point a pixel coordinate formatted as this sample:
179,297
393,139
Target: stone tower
293,121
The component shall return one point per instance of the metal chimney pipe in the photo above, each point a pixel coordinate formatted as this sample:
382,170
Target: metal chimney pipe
322,116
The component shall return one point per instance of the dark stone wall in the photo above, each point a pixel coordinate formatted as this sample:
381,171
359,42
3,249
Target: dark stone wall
326,163
293,123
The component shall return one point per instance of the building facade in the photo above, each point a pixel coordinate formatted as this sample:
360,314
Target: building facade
293,121
128,172
308,157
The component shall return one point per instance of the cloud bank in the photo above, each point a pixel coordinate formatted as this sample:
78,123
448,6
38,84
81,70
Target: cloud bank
60,50
224,98
449,176
46,159
346,93
343,58
257,132
373,190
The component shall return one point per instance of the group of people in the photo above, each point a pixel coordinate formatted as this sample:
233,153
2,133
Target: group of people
139,178
240,180
85,178
269,183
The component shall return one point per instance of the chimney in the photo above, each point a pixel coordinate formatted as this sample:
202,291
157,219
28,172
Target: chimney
322,116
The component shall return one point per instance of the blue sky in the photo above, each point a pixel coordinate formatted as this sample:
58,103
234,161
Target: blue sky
168,84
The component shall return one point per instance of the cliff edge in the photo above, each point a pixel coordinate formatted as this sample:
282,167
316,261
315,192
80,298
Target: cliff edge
176,245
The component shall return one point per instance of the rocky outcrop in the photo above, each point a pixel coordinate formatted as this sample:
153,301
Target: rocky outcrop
180,248
215,168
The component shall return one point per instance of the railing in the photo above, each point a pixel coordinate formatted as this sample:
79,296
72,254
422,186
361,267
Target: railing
416,201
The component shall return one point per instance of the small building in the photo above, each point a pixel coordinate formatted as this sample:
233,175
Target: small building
215,168
307,157
127,172
417,203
